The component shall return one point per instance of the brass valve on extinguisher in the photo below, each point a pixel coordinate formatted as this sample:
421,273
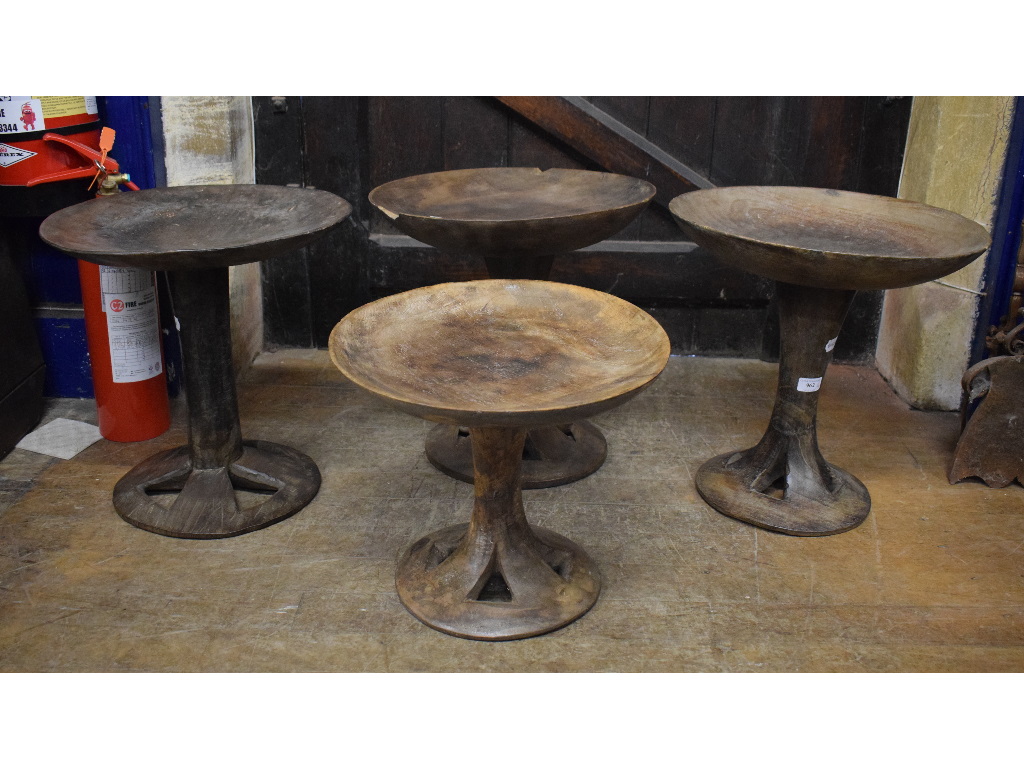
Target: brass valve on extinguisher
109,183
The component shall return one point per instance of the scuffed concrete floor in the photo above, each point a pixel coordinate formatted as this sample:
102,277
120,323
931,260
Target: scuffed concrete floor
933,580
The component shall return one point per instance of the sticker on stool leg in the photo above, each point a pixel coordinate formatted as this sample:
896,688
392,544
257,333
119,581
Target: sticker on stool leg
808,385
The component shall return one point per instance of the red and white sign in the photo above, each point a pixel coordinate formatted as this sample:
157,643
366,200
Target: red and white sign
10,155
21,114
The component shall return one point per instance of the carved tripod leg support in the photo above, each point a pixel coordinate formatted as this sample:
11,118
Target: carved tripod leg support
497,578
190,492
783,483
552,455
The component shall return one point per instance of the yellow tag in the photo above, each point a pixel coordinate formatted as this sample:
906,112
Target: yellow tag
63,106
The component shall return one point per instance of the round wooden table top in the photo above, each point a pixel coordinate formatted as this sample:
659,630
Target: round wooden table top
193,227
501,352
827,238
512,211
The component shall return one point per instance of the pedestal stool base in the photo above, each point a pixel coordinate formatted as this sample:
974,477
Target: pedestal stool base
725,487
552,455
510,593
206,505
819,246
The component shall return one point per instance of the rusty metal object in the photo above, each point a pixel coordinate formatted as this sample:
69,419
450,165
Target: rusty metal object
197,233
820,246
991,443
499,356
517,220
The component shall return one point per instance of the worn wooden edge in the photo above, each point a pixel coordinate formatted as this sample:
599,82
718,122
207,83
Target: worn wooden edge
293,475
171,260
679,209
395,212
535,416
834,268
724,490
497,621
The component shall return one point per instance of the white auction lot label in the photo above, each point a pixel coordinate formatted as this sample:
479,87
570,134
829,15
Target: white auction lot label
809,385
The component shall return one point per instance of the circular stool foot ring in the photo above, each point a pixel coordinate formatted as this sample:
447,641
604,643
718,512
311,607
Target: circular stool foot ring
165,495
553,455
508,596
725,489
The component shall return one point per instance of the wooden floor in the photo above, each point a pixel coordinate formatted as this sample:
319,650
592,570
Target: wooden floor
932,582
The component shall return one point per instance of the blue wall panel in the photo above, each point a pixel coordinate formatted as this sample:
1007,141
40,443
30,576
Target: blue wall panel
67,356
131,119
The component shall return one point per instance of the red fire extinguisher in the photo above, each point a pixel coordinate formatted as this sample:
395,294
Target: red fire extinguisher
27,157
130,385
122,325
121,314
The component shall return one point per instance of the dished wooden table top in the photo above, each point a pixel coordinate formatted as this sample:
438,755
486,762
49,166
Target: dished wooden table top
501,352
829,238
194,227
494,211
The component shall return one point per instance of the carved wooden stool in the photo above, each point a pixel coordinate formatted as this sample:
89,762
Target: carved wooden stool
501,356
517,220
196,233
820,246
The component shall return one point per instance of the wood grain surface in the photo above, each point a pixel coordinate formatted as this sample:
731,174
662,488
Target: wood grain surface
501,352
512,210
194,227
828,238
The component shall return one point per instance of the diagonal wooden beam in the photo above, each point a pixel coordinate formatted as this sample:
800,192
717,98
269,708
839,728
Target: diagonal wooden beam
608,142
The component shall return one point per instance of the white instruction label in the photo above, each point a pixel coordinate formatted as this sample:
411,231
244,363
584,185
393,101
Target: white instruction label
831,344
808,385
21,114
133,324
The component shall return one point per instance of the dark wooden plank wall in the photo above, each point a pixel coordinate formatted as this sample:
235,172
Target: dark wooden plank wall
350,145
